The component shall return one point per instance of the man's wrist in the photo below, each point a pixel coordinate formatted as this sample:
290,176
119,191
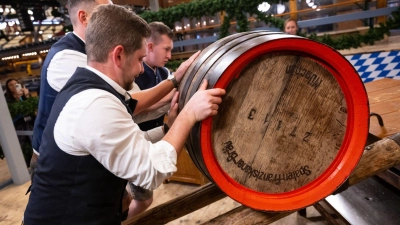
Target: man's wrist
173,80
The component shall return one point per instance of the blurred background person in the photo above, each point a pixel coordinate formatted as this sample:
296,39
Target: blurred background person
290,26
15,91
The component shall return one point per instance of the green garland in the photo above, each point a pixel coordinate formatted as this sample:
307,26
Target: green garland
237,9
174,64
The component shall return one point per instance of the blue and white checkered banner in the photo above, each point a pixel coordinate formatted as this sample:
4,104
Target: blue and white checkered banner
376,65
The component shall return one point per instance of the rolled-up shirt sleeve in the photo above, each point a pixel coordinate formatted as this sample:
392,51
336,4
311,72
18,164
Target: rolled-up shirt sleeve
95,122
155,134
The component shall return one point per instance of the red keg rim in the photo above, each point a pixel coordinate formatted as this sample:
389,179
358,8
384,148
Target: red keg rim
349,154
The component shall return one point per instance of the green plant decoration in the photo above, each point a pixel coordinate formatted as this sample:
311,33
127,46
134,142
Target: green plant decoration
174,64
237,9
21,109
24,108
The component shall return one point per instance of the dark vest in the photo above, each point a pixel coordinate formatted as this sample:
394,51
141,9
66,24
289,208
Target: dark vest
69,189
47,93
148,80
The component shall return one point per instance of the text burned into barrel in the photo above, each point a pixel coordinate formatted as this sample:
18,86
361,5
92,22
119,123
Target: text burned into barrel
313,79
233,157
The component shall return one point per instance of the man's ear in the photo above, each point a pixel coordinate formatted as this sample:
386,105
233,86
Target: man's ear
150,46
118,55
83,17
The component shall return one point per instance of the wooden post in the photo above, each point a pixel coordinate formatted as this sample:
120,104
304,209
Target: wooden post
293,9
381,4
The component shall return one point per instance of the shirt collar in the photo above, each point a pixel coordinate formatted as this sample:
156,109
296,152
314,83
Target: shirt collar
78,36
113,84
155,70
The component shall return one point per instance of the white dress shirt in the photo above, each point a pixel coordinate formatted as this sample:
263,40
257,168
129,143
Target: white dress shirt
146,116
63,65
96,122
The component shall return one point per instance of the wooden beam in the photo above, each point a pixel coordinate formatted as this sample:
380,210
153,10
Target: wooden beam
244,215
381,156
182,55
179,207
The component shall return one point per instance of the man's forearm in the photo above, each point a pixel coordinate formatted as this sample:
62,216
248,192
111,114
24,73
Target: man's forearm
179,131
151,96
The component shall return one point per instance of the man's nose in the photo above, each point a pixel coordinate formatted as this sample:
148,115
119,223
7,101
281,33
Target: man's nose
141,68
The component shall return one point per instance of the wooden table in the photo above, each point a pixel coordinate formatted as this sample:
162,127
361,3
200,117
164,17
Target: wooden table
384,99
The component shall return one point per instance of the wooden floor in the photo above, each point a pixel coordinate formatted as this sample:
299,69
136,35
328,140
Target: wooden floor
13,202
4,172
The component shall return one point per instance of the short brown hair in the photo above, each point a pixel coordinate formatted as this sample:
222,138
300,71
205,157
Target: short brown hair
288,20
75,5
158,29
112,25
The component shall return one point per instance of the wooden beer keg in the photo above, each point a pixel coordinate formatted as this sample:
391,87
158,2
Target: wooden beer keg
292,126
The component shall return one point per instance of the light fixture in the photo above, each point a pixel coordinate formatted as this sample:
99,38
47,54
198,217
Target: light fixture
264,7
3,26
280,8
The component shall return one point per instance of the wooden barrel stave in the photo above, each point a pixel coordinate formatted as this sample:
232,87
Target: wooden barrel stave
213,68
206,53
200,73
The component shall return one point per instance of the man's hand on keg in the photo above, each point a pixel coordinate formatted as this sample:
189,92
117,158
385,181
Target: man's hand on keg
184,66
173,111
204,103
